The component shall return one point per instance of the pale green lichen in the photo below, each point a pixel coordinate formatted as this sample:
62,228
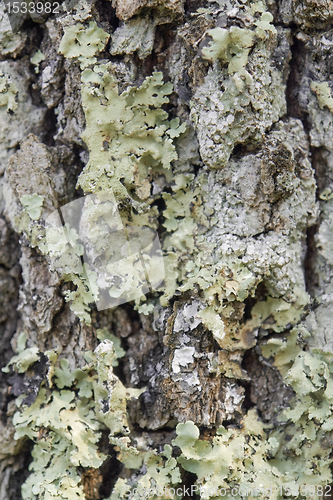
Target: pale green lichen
323,93
233,46
291,460
24,358
61,247
305,440
104,334
161,472
276,314
135,35
8,93
33,205
212,320
65,423
187,217
234,458
10,43
219,258
207,248
129,138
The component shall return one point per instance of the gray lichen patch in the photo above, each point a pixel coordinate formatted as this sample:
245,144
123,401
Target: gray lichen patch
68,419
307,14
34,187
314,90
177,371
234,242
49,66
243,93
69,112
32,171
320,319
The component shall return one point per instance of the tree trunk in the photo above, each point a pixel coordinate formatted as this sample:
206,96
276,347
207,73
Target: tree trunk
209,127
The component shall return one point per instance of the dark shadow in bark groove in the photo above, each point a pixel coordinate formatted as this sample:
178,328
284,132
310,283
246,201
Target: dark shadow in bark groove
266,390
310,274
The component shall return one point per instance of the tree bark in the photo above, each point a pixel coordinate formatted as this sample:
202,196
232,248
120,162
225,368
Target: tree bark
241,200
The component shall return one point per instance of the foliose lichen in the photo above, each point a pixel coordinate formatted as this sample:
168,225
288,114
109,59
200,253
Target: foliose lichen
323,92
67,416
243,94
237,224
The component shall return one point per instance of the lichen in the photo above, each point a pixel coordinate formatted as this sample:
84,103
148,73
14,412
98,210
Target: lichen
37,59
254,459
311,14
129,137
160,472
33,205
242,94
10,43
218,258
66,423
8,93
234,458
276,314
65,420
232,237
24,357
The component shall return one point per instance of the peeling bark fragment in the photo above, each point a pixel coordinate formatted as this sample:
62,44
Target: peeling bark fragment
29,170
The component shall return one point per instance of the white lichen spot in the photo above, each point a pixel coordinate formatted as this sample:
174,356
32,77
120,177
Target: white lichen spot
182,357
187,318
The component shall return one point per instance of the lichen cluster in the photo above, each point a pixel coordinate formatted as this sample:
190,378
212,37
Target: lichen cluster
72,407
233,239
243,93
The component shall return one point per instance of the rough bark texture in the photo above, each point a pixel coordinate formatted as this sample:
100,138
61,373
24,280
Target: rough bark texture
240,191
